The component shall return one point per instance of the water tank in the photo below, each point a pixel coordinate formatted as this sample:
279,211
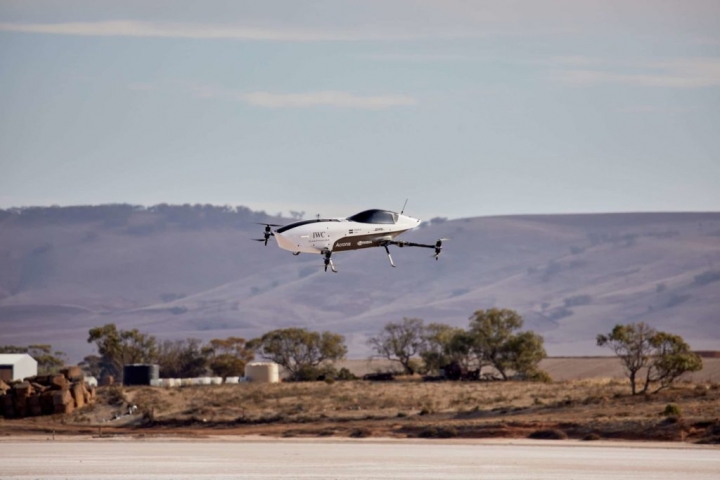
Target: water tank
262,372
140,374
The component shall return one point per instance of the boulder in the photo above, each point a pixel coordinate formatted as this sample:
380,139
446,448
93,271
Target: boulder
38,388
43,379
46,402
62,397
20,402
74,374
35,410
59,382
65,408
23,390
78,395
107,380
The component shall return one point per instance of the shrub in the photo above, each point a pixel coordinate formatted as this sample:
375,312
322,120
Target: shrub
591,437
360,433
116,396
345,374
548,434
672,410
438,432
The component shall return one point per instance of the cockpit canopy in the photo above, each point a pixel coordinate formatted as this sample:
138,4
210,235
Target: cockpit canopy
375,216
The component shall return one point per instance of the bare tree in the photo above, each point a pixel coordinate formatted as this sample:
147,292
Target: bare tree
631,343
400,342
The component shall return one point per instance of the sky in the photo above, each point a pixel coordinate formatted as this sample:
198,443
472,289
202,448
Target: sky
467,108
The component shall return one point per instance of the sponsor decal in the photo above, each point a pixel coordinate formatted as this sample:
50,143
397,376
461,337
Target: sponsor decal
366,242
378,229
318,234
345,244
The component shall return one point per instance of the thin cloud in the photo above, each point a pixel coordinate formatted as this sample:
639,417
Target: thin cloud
326,99
656,109
419,57
134,28
682,73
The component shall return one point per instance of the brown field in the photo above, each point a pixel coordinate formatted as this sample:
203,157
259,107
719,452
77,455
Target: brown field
589,408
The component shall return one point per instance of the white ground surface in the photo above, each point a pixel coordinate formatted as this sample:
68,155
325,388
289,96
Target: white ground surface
357,459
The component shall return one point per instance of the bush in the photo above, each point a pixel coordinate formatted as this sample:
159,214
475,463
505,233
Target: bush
672,410
360,433
345,374
591,437
116,396
548,434
438,432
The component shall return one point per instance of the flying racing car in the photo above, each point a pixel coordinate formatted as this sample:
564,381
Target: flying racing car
325,236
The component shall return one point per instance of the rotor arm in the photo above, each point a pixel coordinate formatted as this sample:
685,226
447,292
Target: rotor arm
402,243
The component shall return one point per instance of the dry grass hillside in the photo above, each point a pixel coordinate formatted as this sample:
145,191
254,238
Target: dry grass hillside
182,272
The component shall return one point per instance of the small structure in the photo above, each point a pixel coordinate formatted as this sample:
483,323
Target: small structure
16,366
262,372
140,374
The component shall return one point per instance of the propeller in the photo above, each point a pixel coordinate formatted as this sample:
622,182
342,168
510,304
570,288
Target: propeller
438,247
268,232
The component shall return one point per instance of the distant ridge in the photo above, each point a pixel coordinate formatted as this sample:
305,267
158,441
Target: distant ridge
192,271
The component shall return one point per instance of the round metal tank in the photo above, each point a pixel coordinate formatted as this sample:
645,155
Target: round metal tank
262,372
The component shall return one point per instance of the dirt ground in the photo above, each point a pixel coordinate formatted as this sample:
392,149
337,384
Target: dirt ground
588,409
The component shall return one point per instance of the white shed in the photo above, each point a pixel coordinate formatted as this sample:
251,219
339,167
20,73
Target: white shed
16,366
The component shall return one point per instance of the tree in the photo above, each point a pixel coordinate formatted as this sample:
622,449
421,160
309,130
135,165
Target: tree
181,358
631,343
92,365
444,344
662,357
228,357
400,342
672,359
48,361
523,353
497,344
300,351
122,347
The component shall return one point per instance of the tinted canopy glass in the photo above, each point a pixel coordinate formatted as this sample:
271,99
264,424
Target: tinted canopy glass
374,216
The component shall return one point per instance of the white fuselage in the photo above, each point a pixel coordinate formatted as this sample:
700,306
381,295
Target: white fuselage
341,234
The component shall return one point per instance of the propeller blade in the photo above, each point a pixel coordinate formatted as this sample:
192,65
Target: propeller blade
259,239
268,224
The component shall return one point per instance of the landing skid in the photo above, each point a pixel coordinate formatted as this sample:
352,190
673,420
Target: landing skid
328,261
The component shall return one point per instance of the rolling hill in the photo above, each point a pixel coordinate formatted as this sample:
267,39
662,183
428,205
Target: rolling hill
192,271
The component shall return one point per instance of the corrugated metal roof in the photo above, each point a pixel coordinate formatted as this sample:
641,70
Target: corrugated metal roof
12,358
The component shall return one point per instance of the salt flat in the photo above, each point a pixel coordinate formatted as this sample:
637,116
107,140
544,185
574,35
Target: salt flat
281,459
